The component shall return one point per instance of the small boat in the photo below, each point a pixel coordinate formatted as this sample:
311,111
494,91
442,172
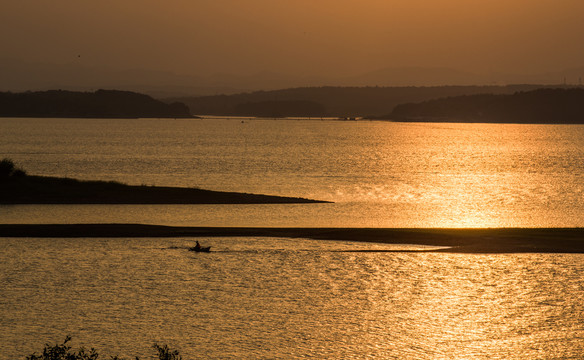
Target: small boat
200,249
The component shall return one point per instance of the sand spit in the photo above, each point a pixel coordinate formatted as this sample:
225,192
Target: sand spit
506,240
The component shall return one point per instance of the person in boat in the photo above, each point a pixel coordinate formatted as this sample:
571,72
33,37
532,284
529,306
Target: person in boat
197,246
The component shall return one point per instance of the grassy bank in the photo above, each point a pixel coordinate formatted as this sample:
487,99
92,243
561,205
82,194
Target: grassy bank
16,187
53,190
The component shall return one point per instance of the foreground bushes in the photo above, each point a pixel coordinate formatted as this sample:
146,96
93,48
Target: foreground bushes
63,352
8,169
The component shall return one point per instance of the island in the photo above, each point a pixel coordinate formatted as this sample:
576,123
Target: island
98,104
17,187
542,106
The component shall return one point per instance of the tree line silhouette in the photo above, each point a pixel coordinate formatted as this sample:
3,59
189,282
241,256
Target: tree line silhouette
98,104
514,103
332,101
542,106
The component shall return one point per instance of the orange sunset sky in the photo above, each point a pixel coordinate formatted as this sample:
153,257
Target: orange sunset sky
304,37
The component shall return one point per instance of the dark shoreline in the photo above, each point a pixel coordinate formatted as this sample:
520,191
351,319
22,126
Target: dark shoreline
29,189
479,241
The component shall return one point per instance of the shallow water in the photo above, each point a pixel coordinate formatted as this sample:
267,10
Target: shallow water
377,173
287,299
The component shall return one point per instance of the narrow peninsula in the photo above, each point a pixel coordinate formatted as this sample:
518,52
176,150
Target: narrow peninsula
16,187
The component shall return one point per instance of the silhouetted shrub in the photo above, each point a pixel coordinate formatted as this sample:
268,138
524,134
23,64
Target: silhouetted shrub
7,169
63,352
164,353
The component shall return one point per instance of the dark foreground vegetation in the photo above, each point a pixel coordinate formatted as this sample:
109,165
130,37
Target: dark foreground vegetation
98,104
64,351
16,187
542,106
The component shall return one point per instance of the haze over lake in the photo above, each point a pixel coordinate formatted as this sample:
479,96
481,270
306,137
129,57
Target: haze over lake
376,173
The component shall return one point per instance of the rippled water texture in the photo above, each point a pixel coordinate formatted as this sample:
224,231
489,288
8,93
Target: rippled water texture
287,299
377,173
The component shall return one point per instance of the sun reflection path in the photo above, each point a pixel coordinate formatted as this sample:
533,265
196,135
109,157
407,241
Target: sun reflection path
479,307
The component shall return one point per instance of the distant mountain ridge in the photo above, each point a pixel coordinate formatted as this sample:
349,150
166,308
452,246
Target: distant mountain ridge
98,104
416,76
331,101
16,75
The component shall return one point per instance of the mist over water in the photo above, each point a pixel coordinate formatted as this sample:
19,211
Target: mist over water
376,173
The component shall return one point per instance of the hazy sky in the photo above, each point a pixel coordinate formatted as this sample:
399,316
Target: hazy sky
308,37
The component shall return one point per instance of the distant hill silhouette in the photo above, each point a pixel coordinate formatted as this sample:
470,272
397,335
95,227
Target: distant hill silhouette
18,75
542,106
279,108
98,104
513,103
331,101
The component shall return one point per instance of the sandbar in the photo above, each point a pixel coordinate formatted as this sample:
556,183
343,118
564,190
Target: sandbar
478,241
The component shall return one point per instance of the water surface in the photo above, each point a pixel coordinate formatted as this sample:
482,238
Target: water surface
287,299
377,173
296,298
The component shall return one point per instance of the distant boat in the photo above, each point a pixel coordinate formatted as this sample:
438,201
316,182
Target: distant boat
200,249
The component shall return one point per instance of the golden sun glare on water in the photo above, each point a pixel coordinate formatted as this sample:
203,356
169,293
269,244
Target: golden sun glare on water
470,176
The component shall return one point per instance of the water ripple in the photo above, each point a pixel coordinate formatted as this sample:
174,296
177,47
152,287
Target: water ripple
281,299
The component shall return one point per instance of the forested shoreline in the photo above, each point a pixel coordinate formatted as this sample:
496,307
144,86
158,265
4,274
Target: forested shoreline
98,104
331,101
542,106
494,104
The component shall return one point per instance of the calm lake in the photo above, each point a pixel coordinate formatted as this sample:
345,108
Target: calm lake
287,299
379,174
270,298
